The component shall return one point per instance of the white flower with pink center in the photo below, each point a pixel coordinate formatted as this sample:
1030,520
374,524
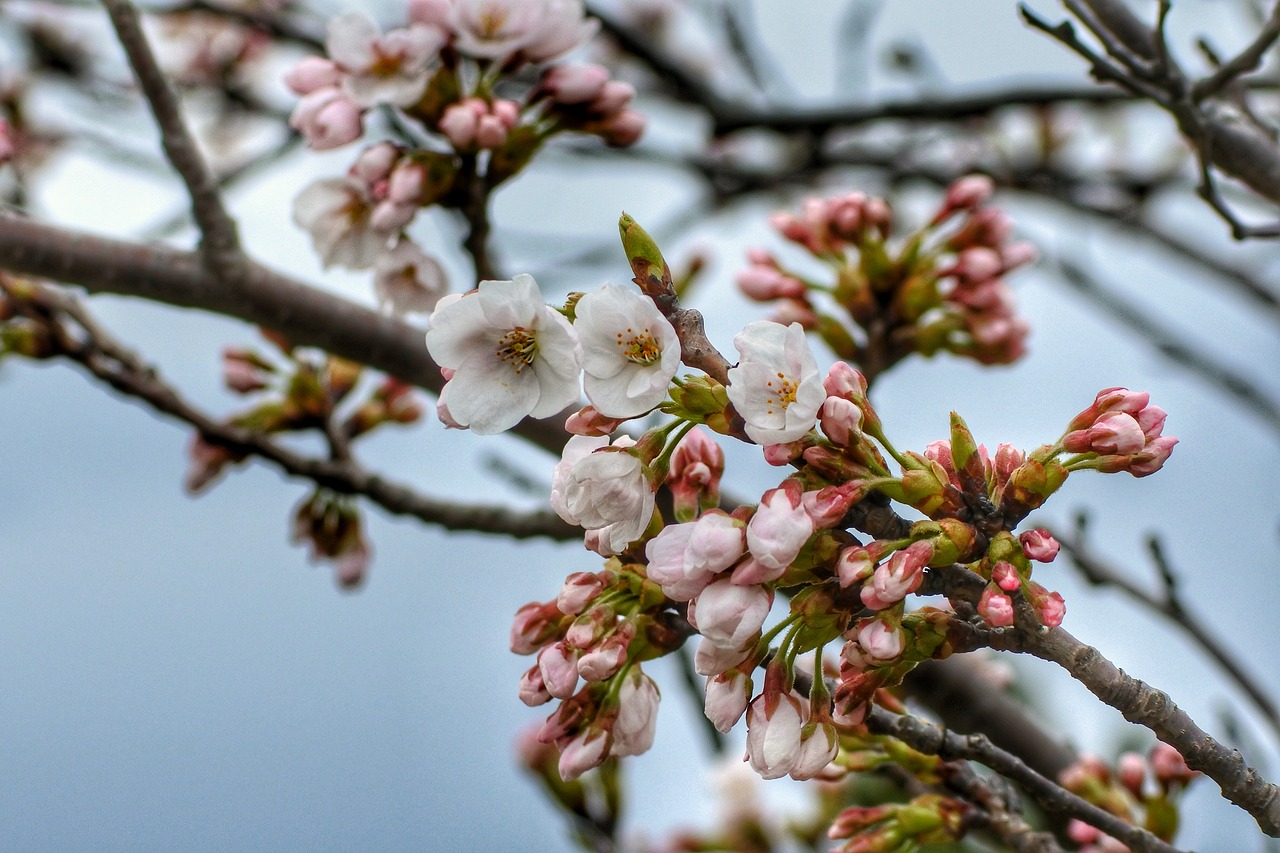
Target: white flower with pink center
775,387
629,351
512,355
391,68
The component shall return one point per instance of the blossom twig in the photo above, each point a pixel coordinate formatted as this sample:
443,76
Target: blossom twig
935,740
219,242
108,360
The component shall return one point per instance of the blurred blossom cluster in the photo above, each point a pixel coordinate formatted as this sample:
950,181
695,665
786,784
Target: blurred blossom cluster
887,295
469,115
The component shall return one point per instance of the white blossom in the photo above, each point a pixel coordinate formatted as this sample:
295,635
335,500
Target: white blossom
511,354
607,490
336,211
391,68
407,280
775,387
541,29
629,351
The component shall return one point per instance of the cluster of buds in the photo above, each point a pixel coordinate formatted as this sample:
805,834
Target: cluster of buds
1119,432
595,634
1142,790
329,525
938,288
440,72
505,354
894,827
299,393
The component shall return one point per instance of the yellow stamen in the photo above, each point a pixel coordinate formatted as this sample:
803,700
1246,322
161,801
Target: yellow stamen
518,348
640,348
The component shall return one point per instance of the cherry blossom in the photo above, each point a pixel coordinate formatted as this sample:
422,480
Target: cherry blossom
629,351
379,68
512,355
407,280
608,490
539,29
775,387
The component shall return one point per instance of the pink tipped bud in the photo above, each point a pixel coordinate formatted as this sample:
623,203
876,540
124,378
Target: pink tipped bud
1049,606
558,664
589,422
968,192
1006,576
574,84
828,506
1169,767
613,98
841,421
579,590
1150,459
533,690
312,73
327,119
996,608
727,695
459,124
1131,770
623,129
845,382
1039,545
764,283
534,626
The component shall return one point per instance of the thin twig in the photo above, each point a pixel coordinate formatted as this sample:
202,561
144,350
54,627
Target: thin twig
1243,62
113,363
219,243
1100,573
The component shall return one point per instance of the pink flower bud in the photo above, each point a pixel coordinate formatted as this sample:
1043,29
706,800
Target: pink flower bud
327,118
714,659
606,658
817,751
1015,255
828,506
1006,576
845,382
901,575
1150,459
1116,433
856,563
729,614
312,73
968,192
774,726
1039,545
726,699
779,528
533,690
579,590
623,129
243,371
491,132
1151,419
558,664
1131,770
613,98
589,422
996,608
879,641
459,123
841,421
584,751
534,625
764,283
634,727
1169,767
574,84
978,263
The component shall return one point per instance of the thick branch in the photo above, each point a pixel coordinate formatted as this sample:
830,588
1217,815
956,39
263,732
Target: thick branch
305,315
1142,704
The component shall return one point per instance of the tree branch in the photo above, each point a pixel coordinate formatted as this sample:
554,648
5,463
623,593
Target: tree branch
111,362
219,243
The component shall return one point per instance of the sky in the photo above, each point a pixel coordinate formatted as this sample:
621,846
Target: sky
176,676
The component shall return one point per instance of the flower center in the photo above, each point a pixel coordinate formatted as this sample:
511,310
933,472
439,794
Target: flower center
783,393
518,348
639,347
491,22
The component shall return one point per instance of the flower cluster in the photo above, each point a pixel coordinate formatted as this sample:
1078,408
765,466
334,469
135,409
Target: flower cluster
440,73
721,573
507,355
938,288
